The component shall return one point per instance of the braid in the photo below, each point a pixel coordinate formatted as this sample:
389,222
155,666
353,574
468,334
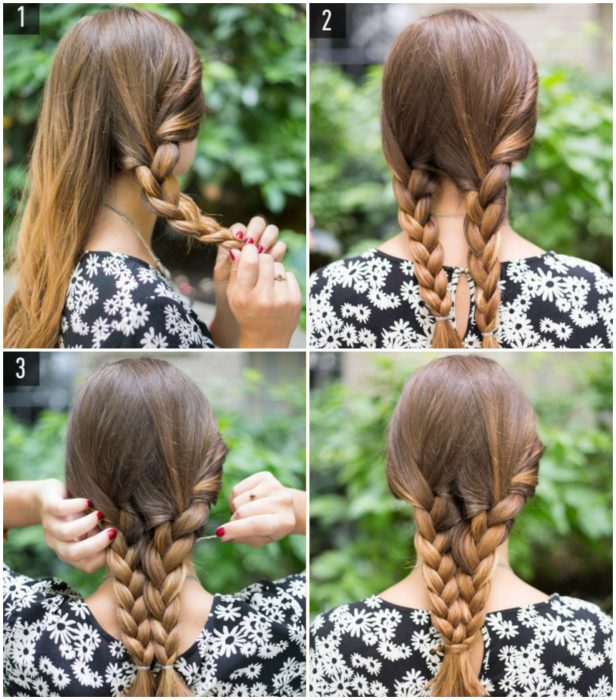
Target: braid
164,564
486,209
414,197
128,584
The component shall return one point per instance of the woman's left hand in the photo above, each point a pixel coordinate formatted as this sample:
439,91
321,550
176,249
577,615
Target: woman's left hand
263,511
224,328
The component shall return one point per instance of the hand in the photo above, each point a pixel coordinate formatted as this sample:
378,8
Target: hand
224,328
70,530
264,299
263,511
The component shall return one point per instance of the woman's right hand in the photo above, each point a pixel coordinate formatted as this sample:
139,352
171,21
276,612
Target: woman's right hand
71,528
266,309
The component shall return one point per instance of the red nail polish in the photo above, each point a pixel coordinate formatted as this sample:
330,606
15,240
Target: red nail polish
260,248
232,254
99,515
112,533
239,235
220,532
89,503
250,240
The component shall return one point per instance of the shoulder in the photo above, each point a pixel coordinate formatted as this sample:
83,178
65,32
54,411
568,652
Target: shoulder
561,268
287,595
356,272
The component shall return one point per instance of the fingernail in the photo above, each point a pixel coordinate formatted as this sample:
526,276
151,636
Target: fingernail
220,532
260,248
232,254
99,515
239,235
111,533
250,240
90,504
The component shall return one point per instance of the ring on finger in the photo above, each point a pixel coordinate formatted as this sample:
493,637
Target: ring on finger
280,277
252,495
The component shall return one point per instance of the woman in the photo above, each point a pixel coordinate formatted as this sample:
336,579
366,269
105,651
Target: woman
464,451
143,467
459,108
120,116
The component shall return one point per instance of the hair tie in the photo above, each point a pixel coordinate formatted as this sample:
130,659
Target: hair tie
167,666
489,333
442,318
144,668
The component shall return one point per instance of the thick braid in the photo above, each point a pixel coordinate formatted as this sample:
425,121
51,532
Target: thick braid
164,564
162,192
486,210
414,197
123,563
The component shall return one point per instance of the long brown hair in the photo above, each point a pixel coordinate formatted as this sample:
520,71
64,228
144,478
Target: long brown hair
123,91
144,446
464,451
459,100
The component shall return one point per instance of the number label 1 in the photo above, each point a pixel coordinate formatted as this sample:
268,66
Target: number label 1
21,19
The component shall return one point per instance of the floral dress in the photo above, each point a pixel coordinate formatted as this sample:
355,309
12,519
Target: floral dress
252,643
560,647
118,301
547,301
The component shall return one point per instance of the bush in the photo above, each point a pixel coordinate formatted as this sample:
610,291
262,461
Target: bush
361,537
561,195
274,442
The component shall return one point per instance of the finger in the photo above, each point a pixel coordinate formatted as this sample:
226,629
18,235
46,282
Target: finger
92,564
257,492
67,506
295,292
260,506
258,525
279,250
239,231
250,482
69,530
268,238
254,230
254,541
266,272
76,551
248,268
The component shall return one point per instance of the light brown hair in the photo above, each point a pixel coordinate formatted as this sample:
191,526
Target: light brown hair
464,451
144,446
123,91
459,100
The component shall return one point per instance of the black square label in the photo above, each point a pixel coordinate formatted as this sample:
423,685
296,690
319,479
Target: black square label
20,18
21,368
327,21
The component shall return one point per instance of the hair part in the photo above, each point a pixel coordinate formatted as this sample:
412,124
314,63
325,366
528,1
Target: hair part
143,444
123,92
459,100
464,451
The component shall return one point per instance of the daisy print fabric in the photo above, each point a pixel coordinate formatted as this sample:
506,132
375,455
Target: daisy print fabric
252,644
548,301
561,647
118,301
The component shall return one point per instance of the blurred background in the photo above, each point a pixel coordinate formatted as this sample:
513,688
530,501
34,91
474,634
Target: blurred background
361,538
259,402
561,195
251,156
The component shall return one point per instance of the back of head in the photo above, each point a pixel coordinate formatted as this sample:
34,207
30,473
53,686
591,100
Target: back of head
464,451
459,101
143,445
123,92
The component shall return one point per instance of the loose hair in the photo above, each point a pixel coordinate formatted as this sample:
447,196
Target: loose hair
464,451
123,92
144,446
459,100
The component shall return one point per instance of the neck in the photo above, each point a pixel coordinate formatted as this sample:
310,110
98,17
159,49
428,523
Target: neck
110,232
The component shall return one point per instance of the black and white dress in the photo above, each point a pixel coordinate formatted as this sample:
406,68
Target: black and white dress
119,301
547,301
561,647
252,643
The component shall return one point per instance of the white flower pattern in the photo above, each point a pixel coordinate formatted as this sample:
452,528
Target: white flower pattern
53,646
118,301
561,647
548,301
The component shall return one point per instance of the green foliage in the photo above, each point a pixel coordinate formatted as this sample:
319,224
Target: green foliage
251,149
273,441
361,537
561,196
